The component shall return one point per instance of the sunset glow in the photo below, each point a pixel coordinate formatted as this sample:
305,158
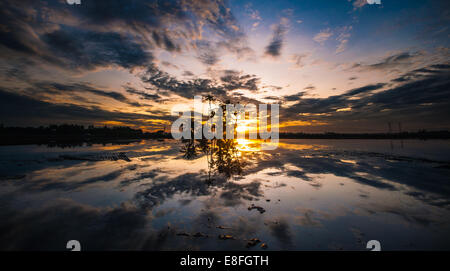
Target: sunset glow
232,126
332,66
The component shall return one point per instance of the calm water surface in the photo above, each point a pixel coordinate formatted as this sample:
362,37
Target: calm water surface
169,195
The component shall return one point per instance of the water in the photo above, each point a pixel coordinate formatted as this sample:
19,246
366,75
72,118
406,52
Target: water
313,194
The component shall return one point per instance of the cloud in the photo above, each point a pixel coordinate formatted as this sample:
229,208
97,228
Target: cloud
254,15
423,73
51,88
343,38
188,73
274,47
323,36
229,81
236,80
207,53
299,60
163,40
169,65
38,37
188,89
75,49
21,110
142,94
342,46
309,87
77,38
294,97
393,62
419,101
357,4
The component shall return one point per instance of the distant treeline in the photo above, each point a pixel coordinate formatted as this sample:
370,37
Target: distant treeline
68,133
423,134
73,133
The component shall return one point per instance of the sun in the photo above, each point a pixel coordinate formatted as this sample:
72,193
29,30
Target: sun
242,128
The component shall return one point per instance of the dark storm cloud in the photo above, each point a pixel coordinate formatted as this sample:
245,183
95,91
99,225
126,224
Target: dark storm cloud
164,81
113,32
363,90
275,45
28,29
423,72
59,88
131,12
164,41
231,80
110,33
425,100
207,54
236,80
391,62
75,48
22,110
184,18
434,89
142,94
273,87
294,97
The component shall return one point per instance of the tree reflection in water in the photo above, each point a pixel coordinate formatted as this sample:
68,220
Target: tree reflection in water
223,156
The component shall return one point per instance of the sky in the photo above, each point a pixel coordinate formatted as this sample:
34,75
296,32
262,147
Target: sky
333,66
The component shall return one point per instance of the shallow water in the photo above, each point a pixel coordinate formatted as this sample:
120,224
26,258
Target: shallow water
313,194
